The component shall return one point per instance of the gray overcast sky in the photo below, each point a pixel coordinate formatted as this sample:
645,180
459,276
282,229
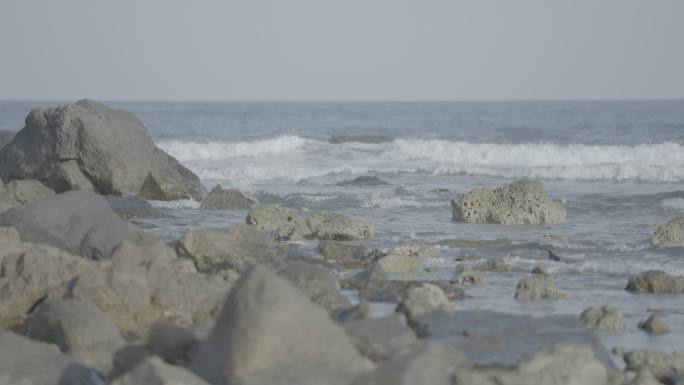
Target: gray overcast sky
341,50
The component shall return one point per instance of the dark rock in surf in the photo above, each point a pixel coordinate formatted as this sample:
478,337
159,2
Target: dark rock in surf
226,199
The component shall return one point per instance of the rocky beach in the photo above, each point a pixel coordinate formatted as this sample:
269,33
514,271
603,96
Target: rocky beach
120,264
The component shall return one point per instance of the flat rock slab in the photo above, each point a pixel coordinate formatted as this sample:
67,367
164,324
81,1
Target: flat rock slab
506,340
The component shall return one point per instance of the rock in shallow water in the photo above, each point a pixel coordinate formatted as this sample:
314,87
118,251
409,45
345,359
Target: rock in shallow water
285,224
321,286
537,287
607,318
655,324
670,234
523,202
655,282
380,338
226,199
424,299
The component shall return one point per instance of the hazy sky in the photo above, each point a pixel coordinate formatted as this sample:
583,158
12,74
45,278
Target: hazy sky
341,50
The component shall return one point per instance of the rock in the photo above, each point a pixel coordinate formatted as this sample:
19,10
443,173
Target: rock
20,192
341,251
79,222
132,207
356,312
360,138
278,336
425,364
325,225
9,242
667,368
321,287
497,265
173,344
79,329
235,248
424,299
670,234
655,282
6,137
380,338
226,199
128,358
153,371
358,281
27,362
523,202
655,325
285,224
540,270
452,291
537,287
553,256
107,150
416,250
364,181
399,263
468,278
606,318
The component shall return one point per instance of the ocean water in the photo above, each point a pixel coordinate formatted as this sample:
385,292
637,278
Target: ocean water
618,166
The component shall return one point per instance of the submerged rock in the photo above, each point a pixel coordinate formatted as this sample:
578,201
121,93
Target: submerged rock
360,138
364,181
537,287
670,234
21,192
655,282
226,199
523,202
87,145
277,337
655,325
606,318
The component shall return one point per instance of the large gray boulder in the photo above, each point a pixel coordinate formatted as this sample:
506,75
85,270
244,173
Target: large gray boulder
226,199
79,329
21,192
6,137
277,337
87,145
79,222
655,282
154,371
27,362
523,202
670,234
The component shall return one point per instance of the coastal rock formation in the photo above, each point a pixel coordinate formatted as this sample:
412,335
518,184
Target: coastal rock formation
424,299
655,325
20,192
226,199
537,287
360,138
523,202
154,371
655,282
670,234
606,318
380,338
285,224
87,145
6,137
78,222
325,225
278,336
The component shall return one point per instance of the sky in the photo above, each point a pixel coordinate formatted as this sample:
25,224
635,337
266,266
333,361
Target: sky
224,50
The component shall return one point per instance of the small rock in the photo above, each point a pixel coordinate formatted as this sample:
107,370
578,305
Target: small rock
655,282
424,299
655,325
154,371
468,278
364,181
670,234
540,270
537,287
497,265
285,224
416,250
360,138
226,199
605,318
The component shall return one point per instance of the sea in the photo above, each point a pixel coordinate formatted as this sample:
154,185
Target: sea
618,166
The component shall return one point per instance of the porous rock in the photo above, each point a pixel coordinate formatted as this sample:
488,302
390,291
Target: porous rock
655,282
523,202
87,145
326,225
670,234
321,286
537,287
606,318
284,223
226,199
277,336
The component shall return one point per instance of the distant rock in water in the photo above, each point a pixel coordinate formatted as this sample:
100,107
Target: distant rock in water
6,137
655,282
361,138
89,146
522,202
364,181
670,234
226,199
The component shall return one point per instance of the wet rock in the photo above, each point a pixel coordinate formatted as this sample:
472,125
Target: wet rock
358,281
496,265
340,251
523,202
606,318
416,250
6,136
540,270
364,181
321,287
400,263
554,256
380,338
537,287
325,225
9,242
670,234
132,207
452,291
87,145
284,223
424,299
425,364
667,368
235,248
468,278
79,222
173,344
23,361
278,336
79,329
357,312
20,192
128,358
655,324
153,371
226,199
360,138
655,282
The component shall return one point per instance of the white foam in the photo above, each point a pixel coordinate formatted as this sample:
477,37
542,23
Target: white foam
673,204
178,204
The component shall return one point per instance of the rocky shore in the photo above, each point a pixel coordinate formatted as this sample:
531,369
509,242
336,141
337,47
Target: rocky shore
88,297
